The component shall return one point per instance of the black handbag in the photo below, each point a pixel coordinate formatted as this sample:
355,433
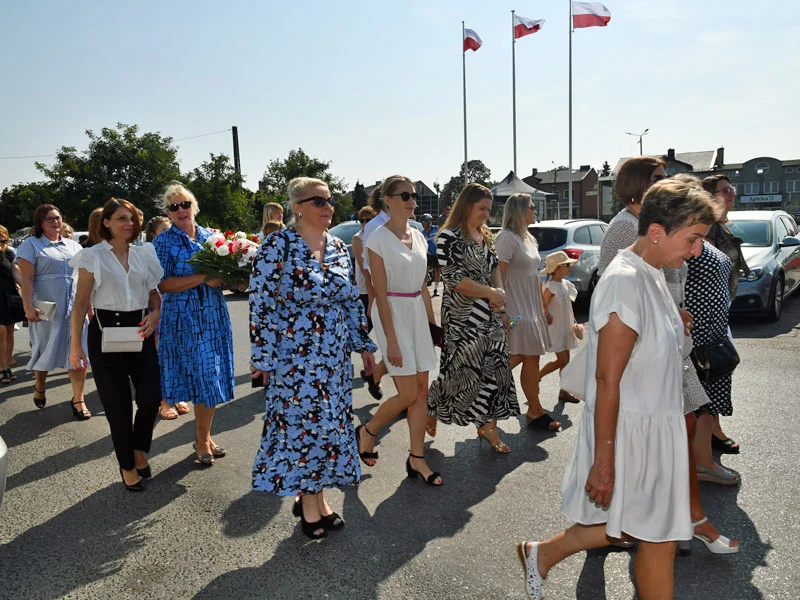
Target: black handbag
715,360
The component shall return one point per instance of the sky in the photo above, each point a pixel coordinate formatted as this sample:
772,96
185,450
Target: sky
376,87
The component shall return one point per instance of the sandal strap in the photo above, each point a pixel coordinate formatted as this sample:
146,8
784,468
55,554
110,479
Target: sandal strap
368,431
368,455
432,477
700,522
415,456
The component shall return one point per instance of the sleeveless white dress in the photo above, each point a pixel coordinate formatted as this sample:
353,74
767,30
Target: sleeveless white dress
406,271
650,501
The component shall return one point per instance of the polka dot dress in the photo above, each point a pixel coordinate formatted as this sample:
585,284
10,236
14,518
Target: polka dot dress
708,299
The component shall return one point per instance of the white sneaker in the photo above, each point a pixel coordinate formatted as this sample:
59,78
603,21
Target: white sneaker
16,326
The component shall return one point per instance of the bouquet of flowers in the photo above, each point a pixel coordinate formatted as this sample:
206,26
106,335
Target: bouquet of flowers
228,256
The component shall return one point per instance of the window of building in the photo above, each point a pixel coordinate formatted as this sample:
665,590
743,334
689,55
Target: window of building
792,186
751,188
790,169
771,187
566,194
762,168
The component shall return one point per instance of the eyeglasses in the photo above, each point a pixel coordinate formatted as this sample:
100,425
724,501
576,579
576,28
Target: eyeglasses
406,196
52,219
185,205
319,201
657,178
727,191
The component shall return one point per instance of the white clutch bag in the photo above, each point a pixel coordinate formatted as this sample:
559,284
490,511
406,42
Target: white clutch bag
573,377
119,339
47,309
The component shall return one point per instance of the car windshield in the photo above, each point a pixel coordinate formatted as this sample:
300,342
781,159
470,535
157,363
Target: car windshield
345,231
755,234
549,237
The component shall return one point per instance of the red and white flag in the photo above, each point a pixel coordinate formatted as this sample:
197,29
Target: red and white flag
590,14
523,26
472,41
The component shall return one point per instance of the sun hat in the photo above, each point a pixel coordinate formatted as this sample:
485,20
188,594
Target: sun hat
556,259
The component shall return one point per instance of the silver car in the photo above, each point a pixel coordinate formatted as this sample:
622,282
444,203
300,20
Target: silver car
772,250
579,238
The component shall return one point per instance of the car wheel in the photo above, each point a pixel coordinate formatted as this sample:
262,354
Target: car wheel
776,300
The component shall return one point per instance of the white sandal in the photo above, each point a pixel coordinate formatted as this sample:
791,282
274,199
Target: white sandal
721,545
534,584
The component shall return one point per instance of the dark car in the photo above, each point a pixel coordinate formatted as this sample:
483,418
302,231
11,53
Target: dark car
346,230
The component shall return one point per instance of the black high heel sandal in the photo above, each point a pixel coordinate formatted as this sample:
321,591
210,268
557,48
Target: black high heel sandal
331,522
365,456
40,402
373,387
5,377
412,472
81,415
135,487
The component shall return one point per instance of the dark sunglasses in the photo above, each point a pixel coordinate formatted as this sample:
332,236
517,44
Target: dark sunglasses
185,205
406,196
362,221
319,201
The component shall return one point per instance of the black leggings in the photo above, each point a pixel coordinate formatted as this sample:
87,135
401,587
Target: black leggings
113,374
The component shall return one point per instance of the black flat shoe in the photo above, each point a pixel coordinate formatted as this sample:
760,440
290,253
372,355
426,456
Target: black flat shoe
40,402
5,377
145,473
374,388
331,522
136,487
412,473
727,446
81,415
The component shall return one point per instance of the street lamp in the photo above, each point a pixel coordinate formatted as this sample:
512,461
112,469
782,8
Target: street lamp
555,189
640,136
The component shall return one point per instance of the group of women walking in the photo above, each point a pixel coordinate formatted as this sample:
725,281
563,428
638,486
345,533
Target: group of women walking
135,314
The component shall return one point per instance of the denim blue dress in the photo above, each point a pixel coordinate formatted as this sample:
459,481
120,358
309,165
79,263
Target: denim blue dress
305,321
195,342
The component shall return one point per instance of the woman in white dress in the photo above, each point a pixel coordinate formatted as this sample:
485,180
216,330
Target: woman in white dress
529,339
628,474
401,315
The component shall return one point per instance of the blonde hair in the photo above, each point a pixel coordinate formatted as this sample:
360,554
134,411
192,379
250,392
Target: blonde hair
298,188
4,232
270,209
515,212
459,214
178,189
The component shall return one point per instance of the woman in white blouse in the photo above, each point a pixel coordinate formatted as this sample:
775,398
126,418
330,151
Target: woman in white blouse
120,281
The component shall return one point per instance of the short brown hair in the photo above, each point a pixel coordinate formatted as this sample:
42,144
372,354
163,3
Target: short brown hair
633,178
710,182
109,209
367,212
38,218
677,203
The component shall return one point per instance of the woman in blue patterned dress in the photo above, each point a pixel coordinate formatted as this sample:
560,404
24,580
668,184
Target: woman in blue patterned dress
305,321
195,343
43,261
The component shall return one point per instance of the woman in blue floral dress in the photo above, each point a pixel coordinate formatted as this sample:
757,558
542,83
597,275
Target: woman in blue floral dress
306,319
195,343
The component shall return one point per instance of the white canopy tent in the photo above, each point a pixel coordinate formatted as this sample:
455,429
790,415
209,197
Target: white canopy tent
511,184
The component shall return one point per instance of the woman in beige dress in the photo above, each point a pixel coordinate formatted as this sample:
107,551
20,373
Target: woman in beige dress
529,339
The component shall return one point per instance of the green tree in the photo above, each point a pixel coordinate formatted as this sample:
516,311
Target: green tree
360,196
298,163
477,173
18,202
118,163
344,209
606,170
224,203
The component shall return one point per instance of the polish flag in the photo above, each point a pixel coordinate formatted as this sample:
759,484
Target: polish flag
523,26
590,14
472,41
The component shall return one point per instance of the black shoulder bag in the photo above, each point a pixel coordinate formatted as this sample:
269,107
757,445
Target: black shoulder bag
715,360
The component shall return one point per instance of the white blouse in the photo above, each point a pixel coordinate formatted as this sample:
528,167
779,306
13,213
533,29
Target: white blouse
113,288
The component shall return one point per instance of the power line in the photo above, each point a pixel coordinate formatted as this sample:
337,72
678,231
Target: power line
81,151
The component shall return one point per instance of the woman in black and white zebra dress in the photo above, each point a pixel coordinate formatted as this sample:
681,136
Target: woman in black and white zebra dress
475,384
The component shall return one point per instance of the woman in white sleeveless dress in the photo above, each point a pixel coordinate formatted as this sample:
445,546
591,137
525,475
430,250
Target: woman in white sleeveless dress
628,474
401,315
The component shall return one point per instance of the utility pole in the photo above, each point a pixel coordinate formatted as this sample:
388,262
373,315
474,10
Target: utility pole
237,165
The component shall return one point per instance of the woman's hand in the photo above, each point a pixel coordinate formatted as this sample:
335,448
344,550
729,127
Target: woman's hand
77,358
496,297
369,362
256,374
688,321
393,355
547,316
32,314
149,324
504,318
214,282
600,483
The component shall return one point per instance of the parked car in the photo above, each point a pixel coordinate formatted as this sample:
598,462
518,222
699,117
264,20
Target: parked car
347,229
580,239
3,468
772,250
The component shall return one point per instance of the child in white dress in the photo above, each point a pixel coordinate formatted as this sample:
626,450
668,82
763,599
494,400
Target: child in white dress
559,294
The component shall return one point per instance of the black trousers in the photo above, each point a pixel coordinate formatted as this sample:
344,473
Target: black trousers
113,374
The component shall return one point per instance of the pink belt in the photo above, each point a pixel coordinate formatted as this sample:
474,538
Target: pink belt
404,294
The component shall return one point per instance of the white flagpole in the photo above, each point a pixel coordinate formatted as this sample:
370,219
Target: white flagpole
514,87
464,73
570,110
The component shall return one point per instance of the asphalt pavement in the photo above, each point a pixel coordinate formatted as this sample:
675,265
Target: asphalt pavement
68,529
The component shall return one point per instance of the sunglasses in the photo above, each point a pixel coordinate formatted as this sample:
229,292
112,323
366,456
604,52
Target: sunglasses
185,205
319,201
728,191
406,196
